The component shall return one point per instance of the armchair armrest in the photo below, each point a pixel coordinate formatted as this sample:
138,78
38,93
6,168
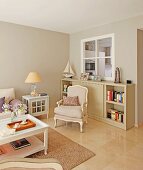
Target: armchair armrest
84,108
59,102
84,105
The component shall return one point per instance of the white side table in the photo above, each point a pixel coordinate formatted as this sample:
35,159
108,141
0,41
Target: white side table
37,105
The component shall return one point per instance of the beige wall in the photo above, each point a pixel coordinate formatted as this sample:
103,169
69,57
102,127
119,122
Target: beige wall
24,49
125,47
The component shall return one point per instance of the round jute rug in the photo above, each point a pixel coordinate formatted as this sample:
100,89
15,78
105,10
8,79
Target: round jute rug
69,153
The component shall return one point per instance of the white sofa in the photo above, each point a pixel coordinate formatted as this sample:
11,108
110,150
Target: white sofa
9,94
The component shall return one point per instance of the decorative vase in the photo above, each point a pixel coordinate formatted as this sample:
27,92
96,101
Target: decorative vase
13,116
19,114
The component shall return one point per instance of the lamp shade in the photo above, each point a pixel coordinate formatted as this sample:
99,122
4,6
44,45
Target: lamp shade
33,77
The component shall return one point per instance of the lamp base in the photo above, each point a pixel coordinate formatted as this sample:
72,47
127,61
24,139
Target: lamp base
33,90
34,93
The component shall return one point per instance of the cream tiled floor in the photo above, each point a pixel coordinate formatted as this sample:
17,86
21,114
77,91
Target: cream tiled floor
115,149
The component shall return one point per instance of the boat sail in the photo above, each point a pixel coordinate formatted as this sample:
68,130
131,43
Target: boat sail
68,72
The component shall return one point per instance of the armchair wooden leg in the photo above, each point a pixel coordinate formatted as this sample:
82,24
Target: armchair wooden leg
55,125
81,127
86,120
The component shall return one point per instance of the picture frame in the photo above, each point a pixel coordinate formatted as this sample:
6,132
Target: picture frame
84,76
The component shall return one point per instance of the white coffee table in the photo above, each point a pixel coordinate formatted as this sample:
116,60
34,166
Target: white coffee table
36,144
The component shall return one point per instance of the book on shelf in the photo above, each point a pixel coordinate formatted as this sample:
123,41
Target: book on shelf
115,96
115,115
18,144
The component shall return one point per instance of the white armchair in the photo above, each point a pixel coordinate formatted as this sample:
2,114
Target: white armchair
73,113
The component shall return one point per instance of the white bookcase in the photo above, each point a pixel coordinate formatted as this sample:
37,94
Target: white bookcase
120,110
119,113
37,105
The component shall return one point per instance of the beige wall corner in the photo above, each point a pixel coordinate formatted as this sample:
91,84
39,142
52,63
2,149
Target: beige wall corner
24,49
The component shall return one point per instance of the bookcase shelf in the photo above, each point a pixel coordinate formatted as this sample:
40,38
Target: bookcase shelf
115,123
117,103
118,122
64,92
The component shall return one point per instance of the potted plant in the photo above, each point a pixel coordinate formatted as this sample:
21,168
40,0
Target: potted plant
17,111
21,108
6,108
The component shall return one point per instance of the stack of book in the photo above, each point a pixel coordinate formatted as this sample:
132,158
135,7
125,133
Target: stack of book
115,115
115,96
18,144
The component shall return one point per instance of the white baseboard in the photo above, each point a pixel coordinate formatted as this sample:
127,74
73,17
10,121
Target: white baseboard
138,124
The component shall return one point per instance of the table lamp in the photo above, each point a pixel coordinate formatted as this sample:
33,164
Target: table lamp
33,78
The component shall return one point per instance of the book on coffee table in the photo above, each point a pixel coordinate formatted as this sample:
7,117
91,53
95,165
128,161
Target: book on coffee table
1,151
18,144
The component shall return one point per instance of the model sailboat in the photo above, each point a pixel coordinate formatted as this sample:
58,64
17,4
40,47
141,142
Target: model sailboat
68,72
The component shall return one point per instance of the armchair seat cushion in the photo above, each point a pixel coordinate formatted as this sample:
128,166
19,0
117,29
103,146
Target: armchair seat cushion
69,111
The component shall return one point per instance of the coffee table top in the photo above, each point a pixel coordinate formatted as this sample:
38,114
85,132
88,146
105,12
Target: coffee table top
39,128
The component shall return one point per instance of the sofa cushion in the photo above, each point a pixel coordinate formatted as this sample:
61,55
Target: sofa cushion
70,101
9,94
70,111
2,101
14,103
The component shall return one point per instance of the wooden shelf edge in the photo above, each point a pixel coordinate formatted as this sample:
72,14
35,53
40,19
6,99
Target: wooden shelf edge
117,103
64,92
114,121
